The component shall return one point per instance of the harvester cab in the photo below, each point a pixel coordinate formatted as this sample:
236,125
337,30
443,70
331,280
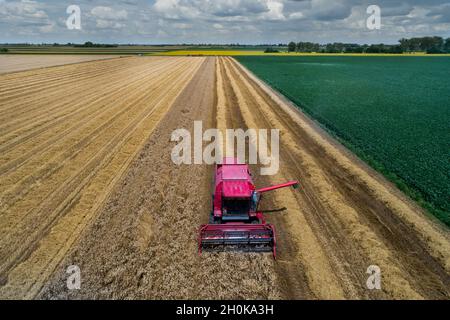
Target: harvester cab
235,222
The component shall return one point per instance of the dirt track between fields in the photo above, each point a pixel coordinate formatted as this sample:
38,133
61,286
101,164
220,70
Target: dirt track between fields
132,226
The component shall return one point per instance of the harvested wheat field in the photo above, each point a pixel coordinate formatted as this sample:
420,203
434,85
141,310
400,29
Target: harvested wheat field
87,179
14,63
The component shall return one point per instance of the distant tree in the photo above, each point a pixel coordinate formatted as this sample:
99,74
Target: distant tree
307,47
4,50
316,47
339,47
332,48
89,44
291,46
404,44
431,43
447,45
439,42
434,50
414,44
271,50
376,48
424,44
372,49
396,49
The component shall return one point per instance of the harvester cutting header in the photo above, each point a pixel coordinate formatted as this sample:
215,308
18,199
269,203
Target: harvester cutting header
236,222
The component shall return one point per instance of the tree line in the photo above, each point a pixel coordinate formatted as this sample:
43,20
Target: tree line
430,45
90,44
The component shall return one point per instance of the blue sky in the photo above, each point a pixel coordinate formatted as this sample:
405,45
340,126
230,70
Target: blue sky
221,21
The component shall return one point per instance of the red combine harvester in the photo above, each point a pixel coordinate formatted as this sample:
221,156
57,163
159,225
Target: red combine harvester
235,222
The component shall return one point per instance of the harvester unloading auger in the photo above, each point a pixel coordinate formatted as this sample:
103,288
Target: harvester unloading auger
236,223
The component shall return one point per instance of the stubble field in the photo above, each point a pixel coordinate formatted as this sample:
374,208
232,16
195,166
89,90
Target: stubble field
87,179
15,63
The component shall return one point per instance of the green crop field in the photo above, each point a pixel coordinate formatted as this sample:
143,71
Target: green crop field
394,112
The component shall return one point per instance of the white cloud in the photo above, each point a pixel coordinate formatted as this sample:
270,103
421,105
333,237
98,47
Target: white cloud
109,18
22,9
175,9
329,10
222,21
108,24
108,13
296,15
48,28
182,26
220,10
275,11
